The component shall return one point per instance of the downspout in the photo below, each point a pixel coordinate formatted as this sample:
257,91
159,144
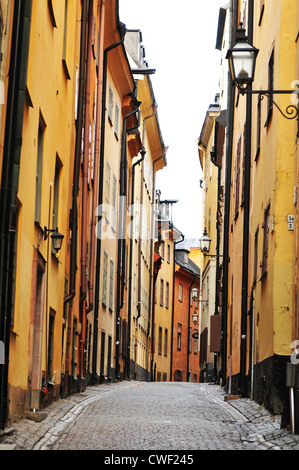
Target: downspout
143,152
84,214
121,248
228,169
100,198
96,157
10,180
246,220
84,211
76,176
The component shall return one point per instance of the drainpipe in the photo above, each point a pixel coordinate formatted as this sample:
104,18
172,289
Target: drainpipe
10,180
143,152
100,198
246,221
84,211
228,169
121,249
76,176
84,214
96,157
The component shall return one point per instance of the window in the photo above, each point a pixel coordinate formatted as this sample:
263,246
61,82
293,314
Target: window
168,253
266,240
105,267
270,85
110,104
56,194
258,131
161,291
116,120
51,12
244,166
256,239
237,177
181,292
113,202
160,340
102,353
179,338
39,170
167,295
262,8
195,346
109,356
165,341
111,290
64,62
107,190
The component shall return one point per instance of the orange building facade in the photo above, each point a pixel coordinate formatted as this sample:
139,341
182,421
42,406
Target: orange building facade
185,351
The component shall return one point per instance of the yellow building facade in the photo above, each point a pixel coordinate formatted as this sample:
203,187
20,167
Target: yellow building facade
210,314
259,306
141,225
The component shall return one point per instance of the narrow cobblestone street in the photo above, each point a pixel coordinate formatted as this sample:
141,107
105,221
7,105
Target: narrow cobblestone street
165,416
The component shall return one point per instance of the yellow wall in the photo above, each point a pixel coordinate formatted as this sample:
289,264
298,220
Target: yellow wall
273,181
54,97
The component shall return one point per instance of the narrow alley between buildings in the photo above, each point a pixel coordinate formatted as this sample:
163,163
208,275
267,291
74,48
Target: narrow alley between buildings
142,416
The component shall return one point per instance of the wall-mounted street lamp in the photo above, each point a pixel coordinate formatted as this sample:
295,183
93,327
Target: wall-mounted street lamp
242,60
195,318
205,242
57,238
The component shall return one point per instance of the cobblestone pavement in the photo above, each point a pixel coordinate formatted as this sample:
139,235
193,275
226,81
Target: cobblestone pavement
152,416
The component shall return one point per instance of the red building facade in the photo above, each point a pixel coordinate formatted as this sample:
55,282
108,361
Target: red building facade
185,354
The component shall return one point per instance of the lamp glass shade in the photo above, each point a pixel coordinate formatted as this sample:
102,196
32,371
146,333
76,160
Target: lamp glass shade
205,242
242,59
195,318
194,293
57,240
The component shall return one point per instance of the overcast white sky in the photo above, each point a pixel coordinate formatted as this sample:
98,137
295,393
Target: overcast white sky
179,40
